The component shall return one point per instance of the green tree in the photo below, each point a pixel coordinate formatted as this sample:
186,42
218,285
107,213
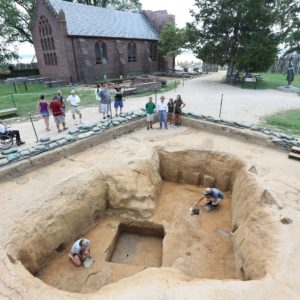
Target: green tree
238,33
6,56
15,17
171,41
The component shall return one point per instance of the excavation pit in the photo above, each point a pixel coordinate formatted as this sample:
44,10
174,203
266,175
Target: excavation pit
138,245
139,218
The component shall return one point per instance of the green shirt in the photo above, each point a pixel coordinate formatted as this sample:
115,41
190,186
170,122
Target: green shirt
150,106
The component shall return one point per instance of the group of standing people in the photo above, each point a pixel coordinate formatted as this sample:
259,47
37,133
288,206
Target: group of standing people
57,108
168,113
103,95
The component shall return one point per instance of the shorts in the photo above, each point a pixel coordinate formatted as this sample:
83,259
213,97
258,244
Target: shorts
59,119
118,103
177,112
75,109
215,201
44,114
104,108
149,117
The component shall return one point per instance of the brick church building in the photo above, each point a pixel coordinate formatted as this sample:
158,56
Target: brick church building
76,42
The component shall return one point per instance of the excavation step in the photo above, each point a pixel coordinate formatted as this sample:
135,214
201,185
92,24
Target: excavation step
296,149
294,155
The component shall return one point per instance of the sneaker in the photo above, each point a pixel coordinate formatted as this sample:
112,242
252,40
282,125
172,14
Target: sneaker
59,130
147,127
151,127
104,117
108,116
20,143
66,128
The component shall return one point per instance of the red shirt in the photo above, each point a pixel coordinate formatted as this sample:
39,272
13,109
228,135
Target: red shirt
56,108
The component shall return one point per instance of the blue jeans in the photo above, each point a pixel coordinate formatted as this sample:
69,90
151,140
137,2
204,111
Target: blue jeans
163,116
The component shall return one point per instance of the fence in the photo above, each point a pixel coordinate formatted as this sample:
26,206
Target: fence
281,65
21,70
206,67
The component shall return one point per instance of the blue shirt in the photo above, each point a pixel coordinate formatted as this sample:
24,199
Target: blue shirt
216,194
105,96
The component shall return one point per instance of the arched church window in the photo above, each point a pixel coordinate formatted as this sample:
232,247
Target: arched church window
47,42
153,51
134,53
98,53
129,50
48,59
103,53
55,59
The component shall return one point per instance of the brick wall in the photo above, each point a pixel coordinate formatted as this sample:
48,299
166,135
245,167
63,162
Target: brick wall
59,33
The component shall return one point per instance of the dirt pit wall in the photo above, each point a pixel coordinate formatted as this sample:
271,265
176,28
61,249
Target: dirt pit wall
72,207
252,226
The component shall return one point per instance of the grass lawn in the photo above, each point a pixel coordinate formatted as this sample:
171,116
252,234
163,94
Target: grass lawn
26,102
288,121
271,81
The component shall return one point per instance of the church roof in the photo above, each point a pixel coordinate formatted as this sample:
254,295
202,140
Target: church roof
88,20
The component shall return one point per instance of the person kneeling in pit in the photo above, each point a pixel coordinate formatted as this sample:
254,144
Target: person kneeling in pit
80,251
213,196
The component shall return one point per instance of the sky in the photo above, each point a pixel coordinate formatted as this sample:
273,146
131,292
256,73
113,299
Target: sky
179,8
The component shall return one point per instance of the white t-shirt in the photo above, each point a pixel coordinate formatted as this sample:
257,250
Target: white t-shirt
161,106
74,100
2,128
97,92
76,248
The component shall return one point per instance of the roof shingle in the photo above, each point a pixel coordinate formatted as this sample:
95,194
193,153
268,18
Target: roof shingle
87,20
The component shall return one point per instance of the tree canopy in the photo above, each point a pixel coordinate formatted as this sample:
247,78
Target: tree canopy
6,56
171,41
238,33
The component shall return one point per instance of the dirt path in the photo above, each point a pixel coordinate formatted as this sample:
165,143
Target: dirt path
202,95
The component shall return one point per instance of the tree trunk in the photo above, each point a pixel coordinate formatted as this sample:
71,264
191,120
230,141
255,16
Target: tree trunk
173,64
230,70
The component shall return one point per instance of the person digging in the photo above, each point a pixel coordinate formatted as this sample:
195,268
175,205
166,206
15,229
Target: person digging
213,197
80,252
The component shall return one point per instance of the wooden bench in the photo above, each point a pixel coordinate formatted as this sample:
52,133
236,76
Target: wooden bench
8,111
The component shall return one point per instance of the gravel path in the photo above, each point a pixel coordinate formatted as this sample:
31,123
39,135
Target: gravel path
202,95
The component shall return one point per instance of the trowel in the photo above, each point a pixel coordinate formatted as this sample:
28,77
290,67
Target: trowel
195,209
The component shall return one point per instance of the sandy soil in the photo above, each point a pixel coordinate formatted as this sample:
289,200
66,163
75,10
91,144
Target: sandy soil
275,172
201,95
205,249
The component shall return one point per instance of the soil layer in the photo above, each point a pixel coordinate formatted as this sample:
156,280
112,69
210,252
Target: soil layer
199,246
